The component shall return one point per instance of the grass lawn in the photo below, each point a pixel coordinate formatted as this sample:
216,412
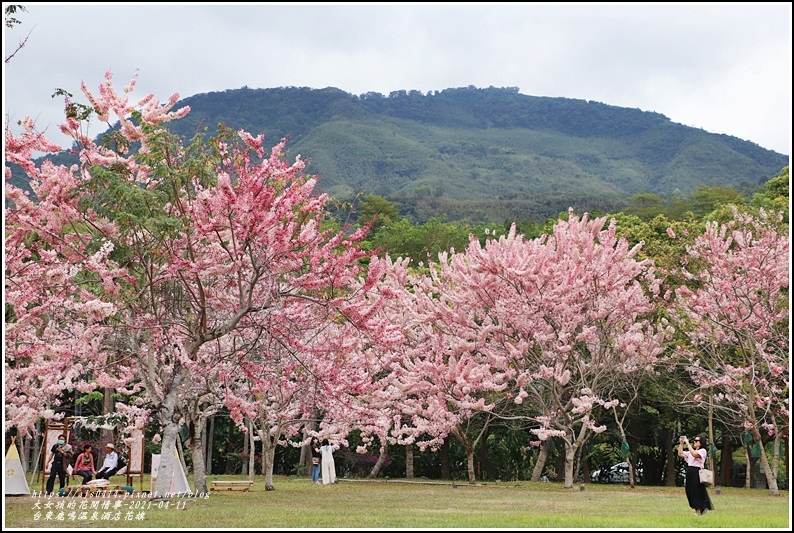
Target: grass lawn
368,504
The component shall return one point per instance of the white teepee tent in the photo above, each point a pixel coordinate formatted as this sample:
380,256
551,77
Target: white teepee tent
179,483
15,482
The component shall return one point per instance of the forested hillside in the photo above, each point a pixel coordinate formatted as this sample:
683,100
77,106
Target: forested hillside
485,154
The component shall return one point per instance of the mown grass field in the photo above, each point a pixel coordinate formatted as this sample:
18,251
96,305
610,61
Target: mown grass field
368,504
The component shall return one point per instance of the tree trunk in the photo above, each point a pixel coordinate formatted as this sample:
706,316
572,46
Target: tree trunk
485,462
409,461
381,460
305,461
543,454
252,450
710,463
35,459
162,488
632,466
726,461
444,458
670,452
169,420
748,481
262,464
470,463
209,438
197,452
570,455
24,453
559,470
271,456
269,442
245,448
269,453
468,448
776,454
229,449
771,481
106,435
787,457
623,441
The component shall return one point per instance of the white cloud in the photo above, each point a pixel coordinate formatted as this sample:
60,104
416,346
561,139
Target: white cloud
723,67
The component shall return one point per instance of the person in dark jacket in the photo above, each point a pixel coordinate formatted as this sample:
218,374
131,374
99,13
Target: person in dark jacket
61,456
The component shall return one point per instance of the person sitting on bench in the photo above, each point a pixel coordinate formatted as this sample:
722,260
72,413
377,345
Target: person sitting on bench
84,466
111,464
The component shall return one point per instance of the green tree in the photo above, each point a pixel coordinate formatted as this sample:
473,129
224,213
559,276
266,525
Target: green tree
379,209
645,205
709,197
774,195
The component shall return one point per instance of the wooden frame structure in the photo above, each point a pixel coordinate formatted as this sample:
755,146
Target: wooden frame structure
135,456
52,429
135,450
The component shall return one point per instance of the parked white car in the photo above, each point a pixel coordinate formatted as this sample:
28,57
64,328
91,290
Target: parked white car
618,473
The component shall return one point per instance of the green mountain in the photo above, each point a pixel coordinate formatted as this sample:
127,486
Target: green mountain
484,154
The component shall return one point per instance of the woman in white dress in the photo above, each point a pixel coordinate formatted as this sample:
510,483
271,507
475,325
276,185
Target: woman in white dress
328,466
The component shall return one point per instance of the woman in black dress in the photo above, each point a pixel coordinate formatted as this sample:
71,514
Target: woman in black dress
695,458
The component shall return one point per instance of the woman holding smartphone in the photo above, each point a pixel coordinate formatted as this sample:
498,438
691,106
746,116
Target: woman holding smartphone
695,457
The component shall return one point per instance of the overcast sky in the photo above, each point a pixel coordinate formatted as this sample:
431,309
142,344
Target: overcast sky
723,67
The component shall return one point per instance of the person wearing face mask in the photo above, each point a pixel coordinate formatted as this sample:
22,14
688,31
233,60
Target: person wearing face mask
60,456
695,458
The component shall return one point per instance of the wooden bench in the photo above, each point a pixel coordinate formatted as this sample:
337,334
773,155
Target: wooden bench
217,485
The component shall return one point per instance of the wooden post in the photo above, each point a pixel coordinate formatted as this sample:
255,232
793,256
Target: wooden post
711,431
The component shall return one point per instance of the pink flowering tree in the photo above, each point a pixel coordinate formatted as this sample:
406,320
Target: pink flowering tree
436,380
285,379
734,313
347,391
217,243
250,261
60,286
571,314
269,390
370,400
311,359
